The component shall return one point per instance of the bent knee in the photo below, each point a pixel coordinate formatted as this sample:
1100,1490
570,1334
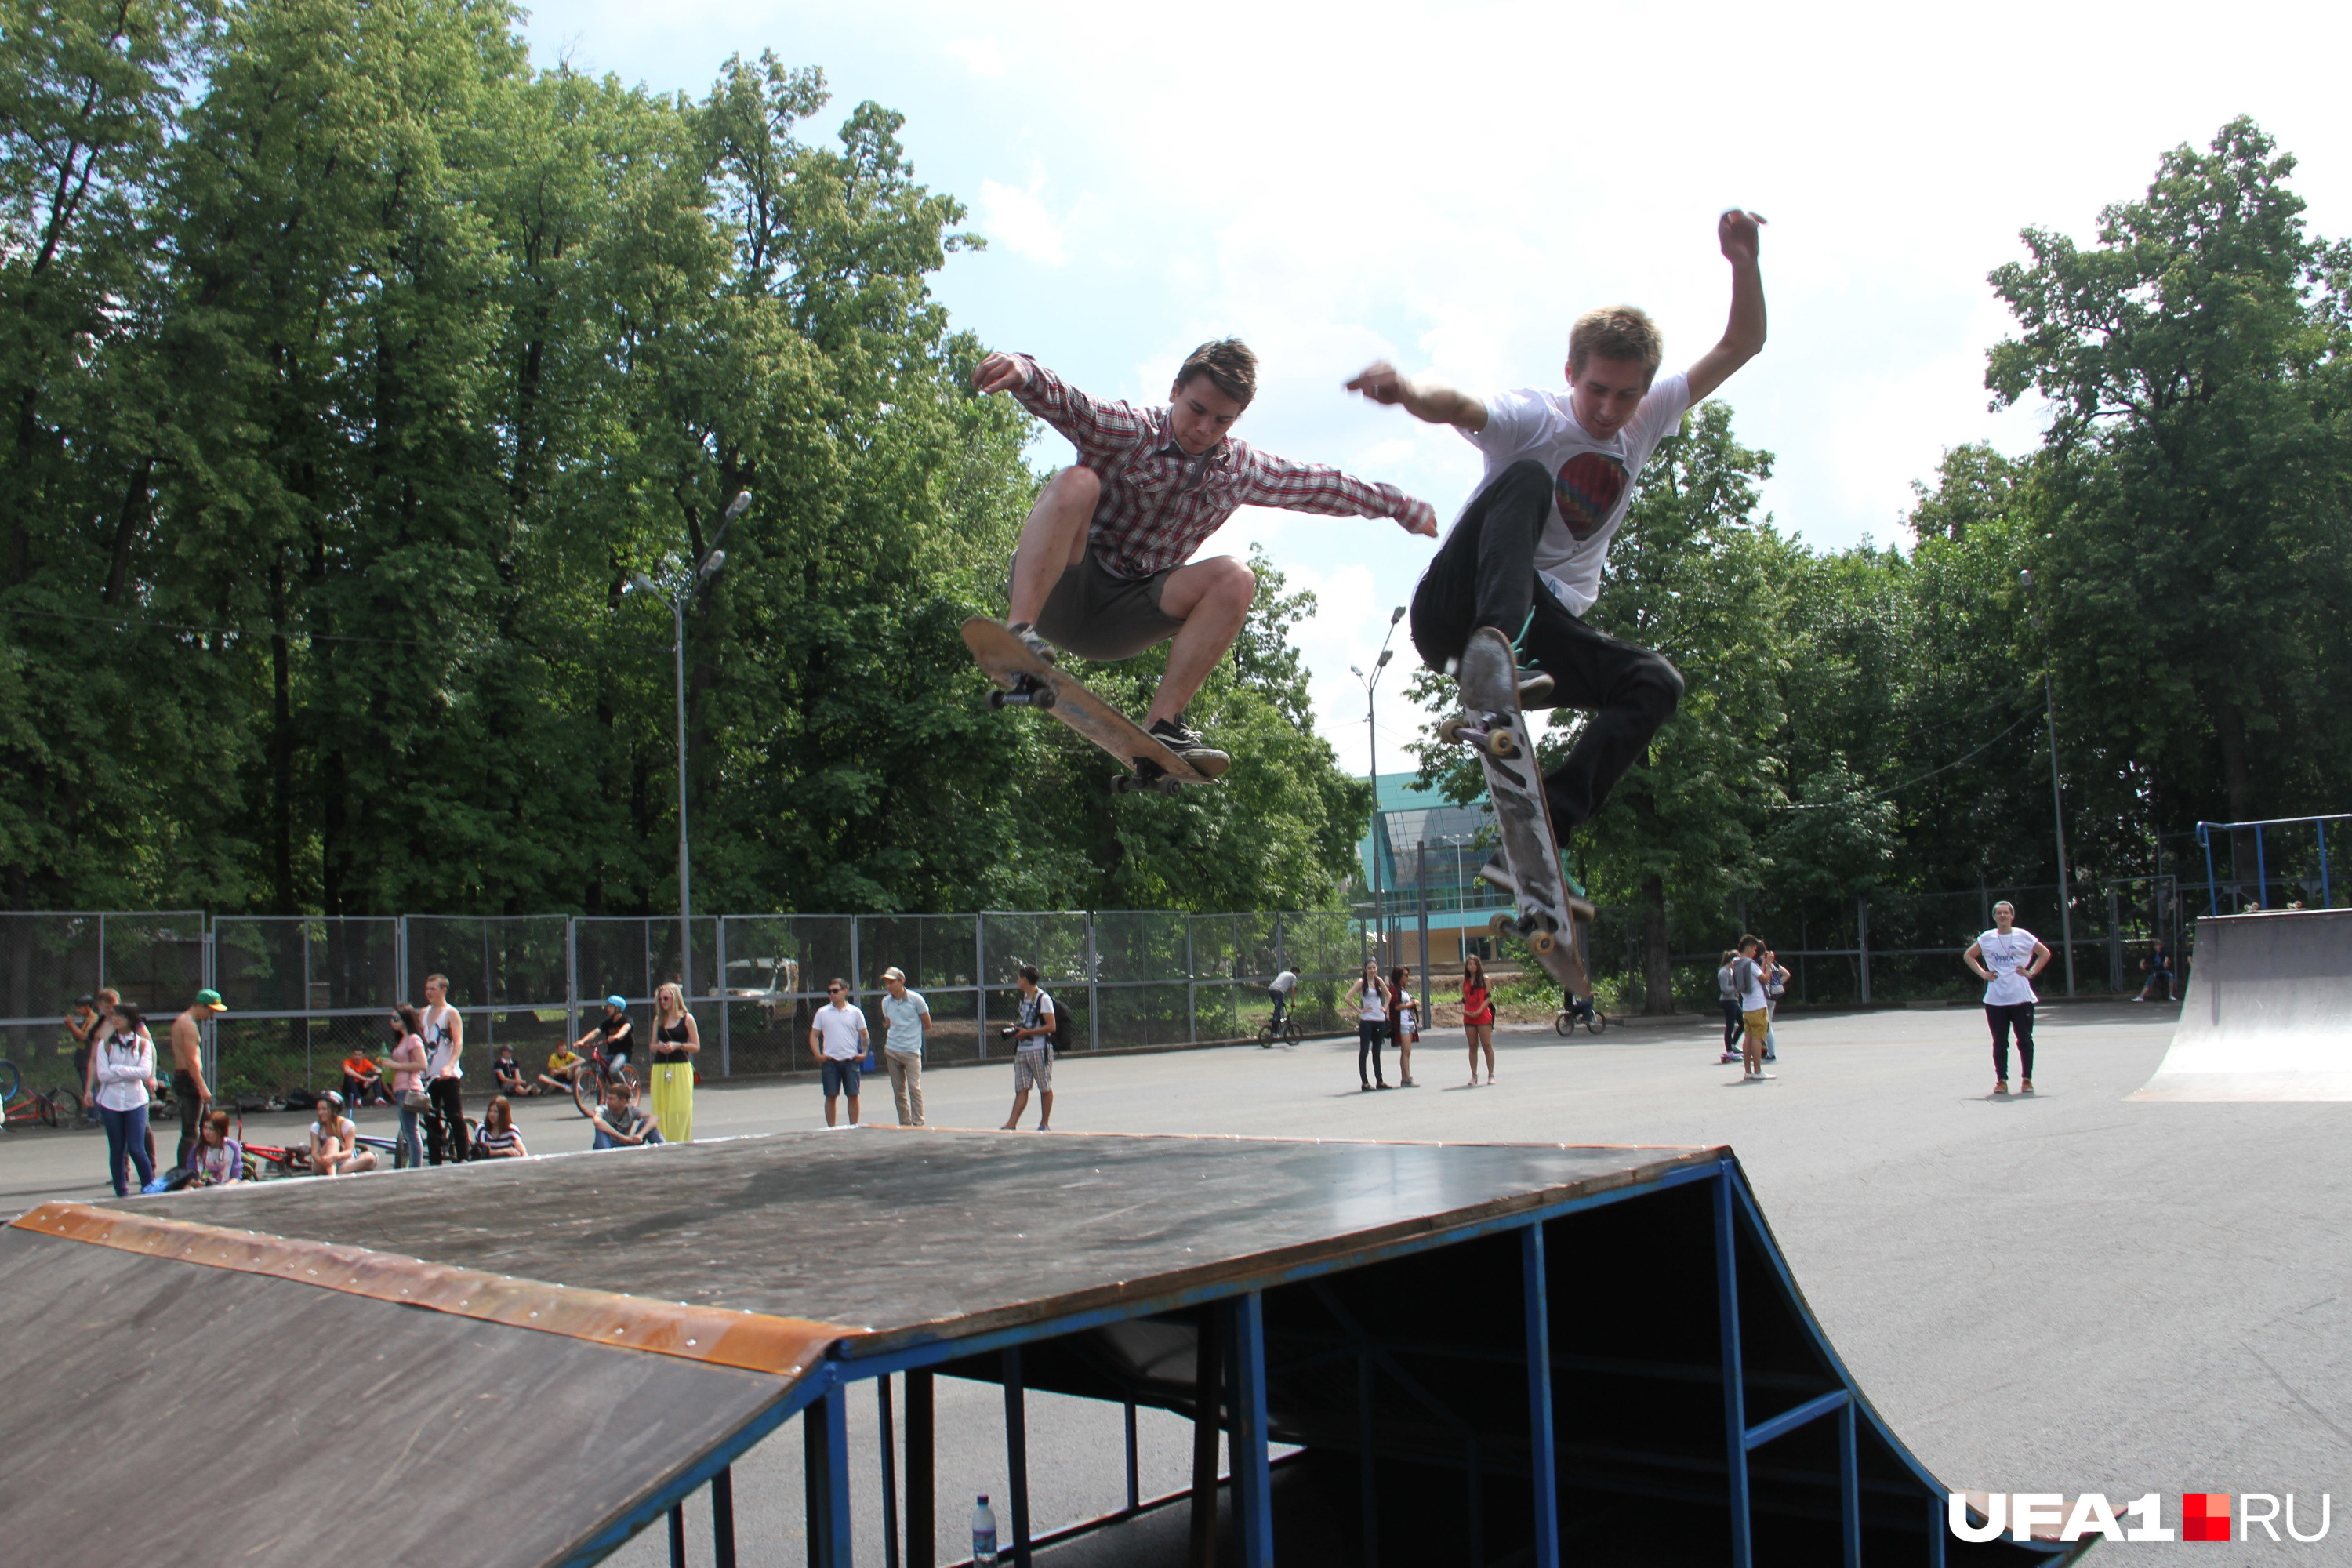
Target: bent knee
1527,471
1658,688
1076,485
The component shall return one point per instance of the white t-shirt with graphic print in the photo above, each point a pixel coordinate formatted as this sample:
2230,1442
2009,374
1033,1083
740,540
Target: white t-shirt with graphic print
1592,482
2008,955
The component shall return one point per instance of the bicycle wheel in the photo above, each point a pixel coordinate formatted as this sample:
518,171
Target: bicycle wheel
1598,1022
1292,1032
67,1099
9,1081
1562,1023
1265,1036
583,1090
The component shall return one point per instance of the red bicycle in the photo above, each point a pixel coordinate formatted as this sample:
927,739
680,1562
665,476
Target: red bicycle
593,1075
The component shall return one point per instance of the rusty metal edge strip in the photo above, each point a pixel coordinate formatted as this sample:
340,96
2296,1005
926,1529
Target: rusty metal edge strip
751,1341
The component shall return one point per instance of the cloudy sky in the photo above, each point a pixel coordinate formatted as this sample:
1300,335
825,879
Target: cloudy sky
1449,186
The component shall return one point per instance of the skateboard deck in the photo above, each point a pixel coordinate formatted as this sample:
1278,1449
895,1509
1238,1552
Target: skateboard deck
1024,681
1545,915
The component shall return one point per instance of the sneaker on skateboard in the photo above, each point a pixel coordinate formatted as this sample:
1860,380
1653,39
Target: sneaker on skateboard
1544,912
1027,680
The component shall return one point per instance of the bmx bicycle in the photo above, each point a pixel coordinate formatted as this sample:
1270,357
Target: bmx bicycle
1287,1032
1575,1010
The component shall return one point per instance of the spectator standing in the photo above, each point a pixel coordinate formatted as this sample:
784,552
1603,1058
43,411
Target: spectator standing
906,1022
406,1068
123,1070
1033,1052
677,1042
1776,981
1727,995
1478,1016
498,1139
1755,1016
1284,987
88,1024
2006,959
195,1096
837,1039
444,1073
1369,998
217,1159
1404,1023
619,1124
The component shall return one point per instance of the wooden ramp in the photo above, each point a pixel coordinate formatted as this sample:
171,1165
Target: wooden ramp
1484,1353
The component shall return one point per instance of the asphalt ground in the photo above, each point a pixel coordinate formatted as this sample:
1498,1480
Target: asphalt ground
2062,1293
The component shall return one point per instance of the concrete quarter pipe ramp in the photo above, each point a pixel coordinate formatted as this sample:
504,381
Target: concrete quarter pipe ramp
2268,1012
1485,1354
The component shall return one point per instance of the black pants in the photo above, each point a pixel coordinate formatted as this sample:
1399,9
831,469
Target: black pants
184,1088
2019,1017
1734,1025
1485,575
1369,1035
446,1135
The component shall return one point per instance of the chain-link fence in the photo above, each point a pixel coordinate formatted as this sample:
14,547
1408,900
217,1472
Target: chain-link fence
52,961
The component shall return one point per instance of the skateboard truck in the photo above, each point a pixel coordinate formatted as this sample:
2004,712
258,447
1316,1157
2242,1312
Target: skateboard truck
1028,691
1148,775
1496,739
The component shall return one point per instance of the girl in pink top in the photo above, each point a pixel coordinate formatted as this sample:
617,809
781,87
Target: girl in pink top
407,1071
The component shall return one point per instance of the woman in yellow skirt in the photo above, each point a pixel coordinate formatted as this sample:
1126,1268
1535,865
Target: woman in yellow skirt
676,1043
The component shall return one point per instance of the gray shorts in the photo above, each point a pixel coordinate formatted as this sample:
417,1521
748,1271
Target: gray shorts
1095,614
1034,1069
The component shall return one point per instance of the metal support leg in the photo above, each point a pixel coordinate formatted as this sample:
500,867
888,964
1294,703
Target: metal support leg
1937,1529
677,1536
722,1518
1850,1485
1252,1481
1735,1399
1367,1461
889,1476
922,1489
1016,1455
1542,1466
1208,1386
825,1428
1134,1471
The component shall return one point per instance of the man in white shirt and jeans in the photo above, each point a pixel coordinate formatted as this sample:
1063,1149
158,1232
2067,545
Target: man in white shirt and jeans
837,1038
445,1077
906,1018
1524,557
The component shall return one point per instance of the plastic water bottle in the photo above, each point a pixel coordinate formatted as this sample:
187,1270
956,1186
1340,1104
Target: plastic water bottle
984,1534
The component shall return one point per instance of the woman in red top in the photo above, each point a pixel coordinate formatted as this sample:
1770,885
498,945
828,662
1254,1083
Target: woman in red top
1478,1016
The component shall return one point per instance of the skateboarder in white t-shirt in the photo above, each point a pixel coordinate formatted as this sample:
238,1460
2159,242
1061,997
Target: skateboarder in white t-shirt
1525,556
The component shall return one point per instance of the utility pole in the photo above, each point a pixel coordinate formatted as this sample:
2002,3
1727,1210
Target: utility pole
2057,804
679,594
1379,833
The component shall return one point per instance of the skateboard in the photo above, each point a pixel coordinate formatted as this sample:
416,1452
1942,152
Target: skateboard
1546,913
1024,681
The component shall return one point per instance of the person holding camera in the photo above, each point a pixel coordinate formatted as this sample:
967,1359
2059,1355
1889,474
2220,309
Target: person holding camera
1033,1052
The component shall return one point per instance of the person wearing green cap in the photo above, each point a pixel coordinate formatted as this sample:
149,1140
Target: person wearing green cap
188,1070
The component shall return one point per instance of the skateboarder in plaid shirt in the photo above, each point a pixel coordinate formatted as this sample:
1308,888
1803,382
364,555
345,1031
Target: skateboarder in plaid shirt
1100,570
1525,556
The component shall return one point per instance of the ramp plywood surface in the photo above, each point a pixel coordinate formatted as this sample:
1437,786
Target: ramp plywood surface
895,1228
2268,1011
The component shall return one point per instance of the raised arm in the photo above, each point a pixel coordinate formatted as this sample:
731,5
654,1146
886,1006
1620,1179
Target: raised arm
1320,488
1743,337
1096,429
1424,397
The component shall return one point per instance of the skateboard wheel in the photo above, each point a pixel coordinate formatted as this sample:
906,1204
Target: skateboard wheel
1503,743
996,699
1042,698
1542,942
1503,925
1458,732
1169,786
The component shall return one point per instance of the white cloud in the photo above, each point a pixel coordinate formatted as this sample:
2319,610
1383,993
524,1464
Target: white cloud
1020,222
981,57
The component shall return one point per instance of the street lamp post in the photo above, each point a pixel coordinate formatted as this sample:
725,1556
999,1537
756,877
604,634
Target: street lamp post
1372,729
680,595
2057,805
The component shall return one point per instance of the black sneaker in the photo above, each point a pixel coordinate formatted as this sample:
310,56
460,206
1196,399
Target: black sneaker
1185,742
1534,687
1033,643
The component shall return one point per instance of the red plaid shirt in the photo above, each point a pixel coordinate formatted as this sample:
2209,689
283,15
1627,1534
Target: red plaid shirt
1158,501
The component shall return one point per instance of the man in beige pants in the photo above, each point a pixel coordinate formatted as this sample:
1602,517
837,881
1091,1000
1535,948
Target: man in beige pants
910,1019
